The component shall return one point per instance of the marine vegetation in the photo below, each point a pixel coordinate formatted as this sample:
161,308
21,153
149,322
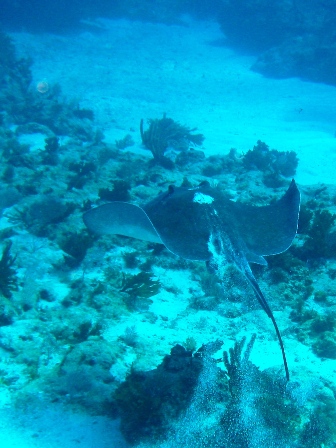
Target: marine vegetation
51,153
237,364
28,107
138,289
189,401
131,259
165,132
276,412
271,162
125,142
75,246
83,171
8,278
120,191
325,345
15,78
319,243
41,213
147,402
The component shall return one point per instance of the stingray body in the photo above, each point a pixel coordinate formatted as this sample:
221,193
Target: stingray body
202,224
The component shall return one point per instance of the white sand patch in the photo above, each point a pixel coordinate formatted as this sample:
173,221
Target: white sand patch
51,426
35,141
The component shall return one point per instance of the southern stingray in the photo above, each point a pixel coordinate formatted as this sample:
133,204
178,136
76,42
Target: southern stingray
202,224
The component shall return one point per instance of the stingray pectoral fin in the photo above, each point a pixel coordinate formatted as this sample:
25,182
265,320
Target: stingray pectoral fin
269,230
121,218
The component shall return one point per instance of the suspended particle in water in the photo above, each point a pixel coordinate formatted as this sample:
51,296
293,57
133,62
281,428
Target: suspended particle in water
42,86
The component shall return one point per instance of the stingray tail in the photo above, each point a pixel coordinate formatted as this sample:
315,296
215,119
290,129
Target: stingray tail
265,306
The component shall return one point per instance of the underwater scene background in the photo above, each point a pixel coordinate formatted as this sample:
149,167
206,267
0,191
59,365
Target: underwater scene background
111,341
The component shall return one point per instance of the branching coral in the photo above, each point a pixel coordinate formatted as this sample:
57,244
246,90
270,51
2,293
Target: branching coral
261,408
237,363
166,132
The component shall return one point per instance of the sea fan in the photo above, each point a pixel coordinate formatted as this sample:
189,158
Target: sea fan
8,279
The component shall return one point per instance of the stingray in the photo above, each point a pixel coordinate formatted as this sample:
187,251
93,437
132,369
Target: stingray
202,224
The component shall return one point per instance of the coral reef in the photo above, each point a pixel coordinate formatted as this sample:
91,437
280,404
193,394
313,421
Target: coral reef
149,401
125,142
166,132
75,246
15,79
29,108
320,242
187,401
40,214
277,412
120,192
272,163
